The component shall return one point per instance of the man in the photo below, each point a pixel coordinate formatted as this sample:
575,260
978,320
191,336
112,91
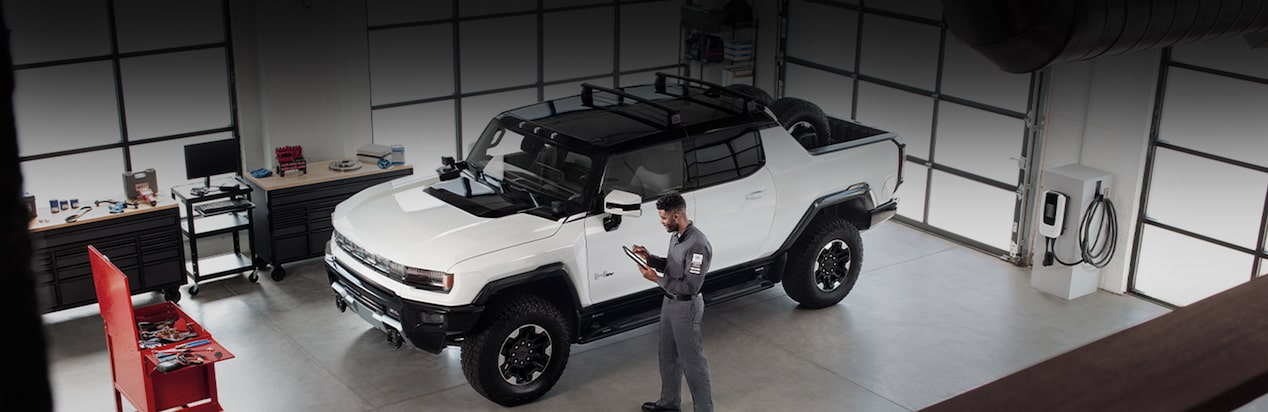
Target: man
681,346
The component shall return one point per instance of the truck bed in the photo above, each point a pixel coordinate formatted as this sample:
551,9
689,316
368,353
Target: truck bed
845,134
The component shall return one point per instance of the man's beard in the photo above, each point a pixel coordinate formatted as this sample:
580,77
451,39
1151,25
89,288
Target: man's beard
672,227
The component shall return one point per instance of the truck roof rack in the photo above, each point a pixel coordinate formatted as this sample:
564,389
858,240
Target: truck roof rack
672,117
660,87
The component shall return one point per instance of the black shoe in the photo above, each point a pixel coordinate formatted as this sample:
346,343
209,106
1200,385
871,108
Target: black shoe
653,406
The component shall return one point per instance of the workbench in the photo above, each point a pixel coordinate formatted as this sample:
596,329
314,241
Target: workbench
144,242
293,212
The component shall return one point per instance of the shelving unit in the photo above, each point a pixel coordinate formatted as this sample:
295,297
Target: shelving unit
738,46
196,225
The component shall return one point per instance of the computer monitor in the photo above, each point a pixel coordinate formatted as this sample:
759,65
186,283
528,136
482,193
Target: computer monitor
204,160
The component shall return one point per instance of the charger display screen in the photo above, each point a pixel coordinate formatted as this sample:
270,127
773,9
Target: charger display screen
1050,209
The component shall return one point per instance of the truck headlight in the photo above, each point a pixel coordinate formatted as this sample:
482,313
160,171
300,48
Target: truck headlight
423,278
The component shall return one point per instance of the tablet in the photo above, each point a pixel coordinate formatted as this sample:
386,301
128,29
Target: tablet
634,256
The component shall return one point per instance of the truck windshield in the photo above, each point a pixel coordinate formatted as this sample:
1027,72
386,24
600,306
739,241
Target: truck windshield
529,169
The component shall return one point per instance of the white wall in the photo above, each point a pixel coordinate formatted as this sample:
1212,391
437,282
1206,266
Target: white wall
302,77
1099,117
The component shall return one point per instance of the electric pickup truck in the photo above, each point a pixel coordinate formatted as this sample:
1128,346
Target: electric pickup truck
514,253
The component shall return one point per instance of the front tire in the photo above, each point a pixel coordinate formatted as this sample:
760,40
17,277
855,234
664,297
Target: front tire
520,353
825,263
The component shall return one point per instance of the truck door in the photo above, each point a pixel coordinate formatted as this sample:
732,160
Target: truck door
650,173
734,193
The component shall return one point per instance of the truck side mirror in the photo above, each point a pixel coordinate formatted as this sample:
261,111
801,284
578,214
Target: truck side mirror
622,203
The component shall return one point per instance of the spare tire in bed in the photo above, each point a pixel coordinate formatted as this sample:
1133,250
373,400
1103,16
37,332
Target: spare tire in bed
758,94
803,120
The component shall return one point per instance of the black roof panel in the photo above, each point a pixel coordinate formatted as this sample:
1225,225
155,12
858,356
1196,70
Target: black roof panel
613,121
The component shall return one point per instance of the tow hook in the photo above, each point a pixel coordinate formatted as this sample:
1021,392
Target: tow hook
394,337
340,303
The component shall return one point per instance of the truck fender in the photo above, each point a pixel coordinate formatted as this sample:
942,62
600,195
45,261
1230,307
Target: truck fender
554,282
860,193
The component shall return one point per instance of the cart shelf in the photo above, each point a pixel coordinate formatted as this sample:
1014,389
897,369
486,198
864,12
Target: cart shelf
217,224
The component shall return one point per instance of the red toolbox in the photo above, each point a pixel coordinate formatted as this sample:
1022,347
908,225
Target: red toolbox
187,381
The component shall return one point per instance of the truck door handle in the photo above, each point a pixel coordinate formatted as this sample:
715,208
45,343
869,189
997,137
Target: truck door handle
755,195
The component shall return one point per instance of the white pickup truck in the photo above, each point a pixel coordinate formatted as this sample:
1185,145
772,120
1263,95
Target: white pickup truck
515,254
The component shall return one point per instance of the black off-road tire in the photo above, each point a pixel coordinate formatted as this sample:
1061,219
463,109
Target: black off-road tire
824,264
758,94
530,318
804,120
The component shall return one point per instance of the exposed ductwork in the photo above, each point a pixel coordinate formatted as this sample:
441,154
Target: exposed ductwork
1027,35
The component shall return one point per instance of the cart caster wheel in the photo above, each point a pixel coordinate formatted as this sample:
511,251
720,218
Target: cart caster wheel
193,290
260,263
172,295
278,273
340,304
254,277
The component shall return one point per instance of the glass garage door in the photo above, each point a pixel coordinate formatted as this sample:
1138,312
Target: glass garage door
1202,218
439,70
894,65
103,87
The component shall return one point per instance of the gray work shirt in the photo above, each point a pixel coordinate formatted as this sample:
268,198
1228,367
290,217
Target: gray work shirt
686,264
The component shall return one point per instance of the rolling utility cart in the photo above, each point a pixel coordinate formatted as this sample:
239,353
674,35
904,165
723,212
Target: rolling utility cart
174,371
224,208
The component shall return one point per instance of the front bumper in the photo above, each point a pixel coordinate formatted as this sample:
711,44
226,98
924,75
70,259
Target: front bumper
426,326
883,212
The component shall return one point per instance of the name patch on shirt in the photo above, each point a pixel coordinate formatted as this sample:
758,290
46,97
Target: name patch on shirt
697,261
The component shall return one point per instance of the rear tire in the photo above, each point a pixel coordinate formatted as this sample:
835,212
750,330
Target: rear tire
759,95
824,264
804,120
519,354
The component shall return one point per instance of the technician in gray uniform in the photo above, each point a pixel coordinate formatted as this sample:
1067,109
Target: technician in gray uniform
681,346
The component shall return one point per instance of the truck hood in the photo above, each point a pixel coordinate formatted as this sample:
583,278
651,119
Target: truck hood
400,221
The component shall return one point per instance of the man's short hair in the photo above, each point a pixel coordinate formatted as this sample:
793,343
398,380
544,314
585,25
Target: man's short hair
672,202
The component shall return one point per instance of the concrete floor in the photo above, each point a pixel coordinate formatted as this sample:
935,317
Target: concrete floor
927,320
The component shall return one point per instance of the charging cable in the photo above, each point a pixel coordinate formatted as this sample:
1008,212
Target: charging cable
1094,249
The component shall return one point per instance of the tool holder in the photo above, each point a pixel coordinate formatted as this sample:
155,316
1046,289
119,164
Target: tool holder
135,368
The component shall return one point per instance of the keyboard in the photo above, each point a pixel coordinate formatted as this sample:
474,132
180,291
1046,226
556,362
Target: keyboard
231,205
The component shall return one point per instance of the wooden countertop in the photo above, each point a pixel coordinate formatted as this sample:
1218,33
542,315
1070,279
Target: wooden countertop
45,220
1208,356
319,172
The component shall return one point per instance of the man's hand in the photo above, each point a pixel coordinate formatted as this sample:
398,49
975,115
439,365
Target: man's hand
648,273
642,252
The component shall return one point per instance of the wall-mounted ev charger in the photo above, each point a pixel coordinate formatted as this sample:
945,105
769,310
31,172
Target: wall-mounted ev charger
1054,206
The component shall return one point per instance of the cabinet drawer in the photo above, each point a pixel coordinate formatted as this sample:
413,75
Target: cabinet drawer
79,271
81,291
42,266
296,228
134,277
317,241
77,254
157,242
290,248
46,296
289,221
163,274
77,292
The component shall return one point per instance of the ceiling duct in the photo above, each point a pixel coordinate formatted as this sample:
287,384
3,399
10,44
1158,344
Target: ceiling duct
1026,35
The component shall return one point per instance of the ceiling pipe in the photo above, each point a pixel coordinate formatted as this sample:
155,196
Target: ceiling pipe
1026,35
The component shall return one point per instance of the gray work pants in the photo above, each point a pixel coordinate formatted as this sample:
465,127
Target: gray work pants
682,353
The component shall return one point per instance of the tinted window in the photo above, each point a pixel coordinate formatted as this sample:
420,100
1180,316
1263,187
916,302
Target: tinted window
723,156
647,172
